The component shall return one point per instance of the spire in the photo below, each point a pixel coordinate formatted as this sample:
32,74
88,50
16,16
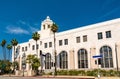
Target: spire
47,17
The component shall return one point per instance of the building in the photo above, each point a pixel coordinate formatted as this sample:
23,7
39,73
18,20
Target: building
76,47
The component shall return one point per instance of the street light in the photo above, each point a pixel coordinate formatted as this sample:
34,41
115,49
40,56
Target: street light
116,58
41,61
23,63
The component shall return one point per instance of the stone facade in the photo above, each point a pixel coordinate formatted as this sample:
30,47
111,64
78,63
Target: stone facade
76,47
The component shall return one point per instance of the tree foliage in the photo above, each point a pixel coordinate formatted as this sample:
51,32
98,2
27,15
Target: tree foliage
5,66
33,61
3,44
36,36
54,28
16,65
9,47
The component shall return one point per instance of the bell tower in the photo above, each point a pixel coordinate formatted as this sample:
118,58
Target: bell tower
46,27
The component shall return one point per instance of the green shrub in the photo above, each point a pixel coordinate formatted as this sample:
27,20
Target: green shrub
90,73
73,72
82,72
62,72
103,72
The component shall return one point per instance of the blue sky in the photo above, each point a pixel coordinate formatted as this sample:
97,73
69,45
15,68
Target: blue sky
20,18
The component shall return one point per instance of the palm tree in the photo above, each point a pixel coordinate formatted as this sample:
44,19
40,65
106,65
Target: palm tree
9,47
4,49
33,62
54,29
36,37
14,43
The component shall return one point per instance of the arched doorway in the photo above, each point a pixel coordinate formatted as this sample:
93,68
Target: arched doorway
63,58
82,58
48,61
107,60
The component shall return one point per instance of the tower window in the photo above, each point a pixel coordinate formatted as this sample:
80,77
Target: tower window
48,26
66,41
50,44
78,39
37,47
40,42
108,34
44,27
60,42
33,47
45,45
85,38
26,48
100,35
22,49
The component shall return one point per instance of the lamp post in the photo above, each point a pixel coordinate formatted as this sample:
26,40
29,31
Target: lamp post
98,58
116,58
41,61
23,63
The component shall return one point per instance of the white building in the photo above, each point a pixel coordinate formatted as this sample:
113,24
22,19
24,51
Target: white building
76,47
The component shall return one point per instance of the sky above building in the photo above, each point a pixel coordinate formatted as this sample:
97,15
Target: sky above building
20,18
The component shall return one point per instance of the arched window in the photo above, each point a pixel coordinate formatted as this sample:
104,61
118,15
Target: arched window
23,61
48,61
107,60
63,58
82,59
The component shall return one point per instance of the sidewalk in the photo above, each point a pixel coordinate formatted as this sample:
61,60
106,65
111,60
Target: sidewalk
64,76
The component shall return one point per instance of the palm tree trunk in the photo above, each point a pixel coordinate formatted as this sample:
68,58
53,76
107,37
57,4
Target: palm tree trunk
9,55
14,60
5,53
36,49
55,55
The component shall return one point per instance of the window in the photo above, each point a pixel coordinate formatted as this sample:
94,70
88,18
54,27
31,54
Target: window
63,57
50,44
107,59
108,34
33,47
16,50
45,45
22,49
37,47
48,61
29,45
100,35
65,41
44,27
85,38
77,39
82,58
26,48
60,42
40,42
48,26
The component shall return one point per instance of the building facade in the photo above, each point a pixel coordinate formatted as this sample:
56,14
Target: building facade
76,47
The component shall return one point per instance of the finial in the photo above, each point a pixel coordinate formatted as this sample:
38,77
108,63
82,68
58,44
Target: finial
48,17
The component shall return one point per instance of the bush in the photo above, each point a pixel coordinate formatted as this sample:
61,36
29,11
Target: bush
82,72
62,72
73,72
87,73
90,73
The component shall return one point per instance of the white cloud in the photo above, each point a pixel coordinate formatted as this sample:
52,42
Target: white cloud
22,22
16,30
33,29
